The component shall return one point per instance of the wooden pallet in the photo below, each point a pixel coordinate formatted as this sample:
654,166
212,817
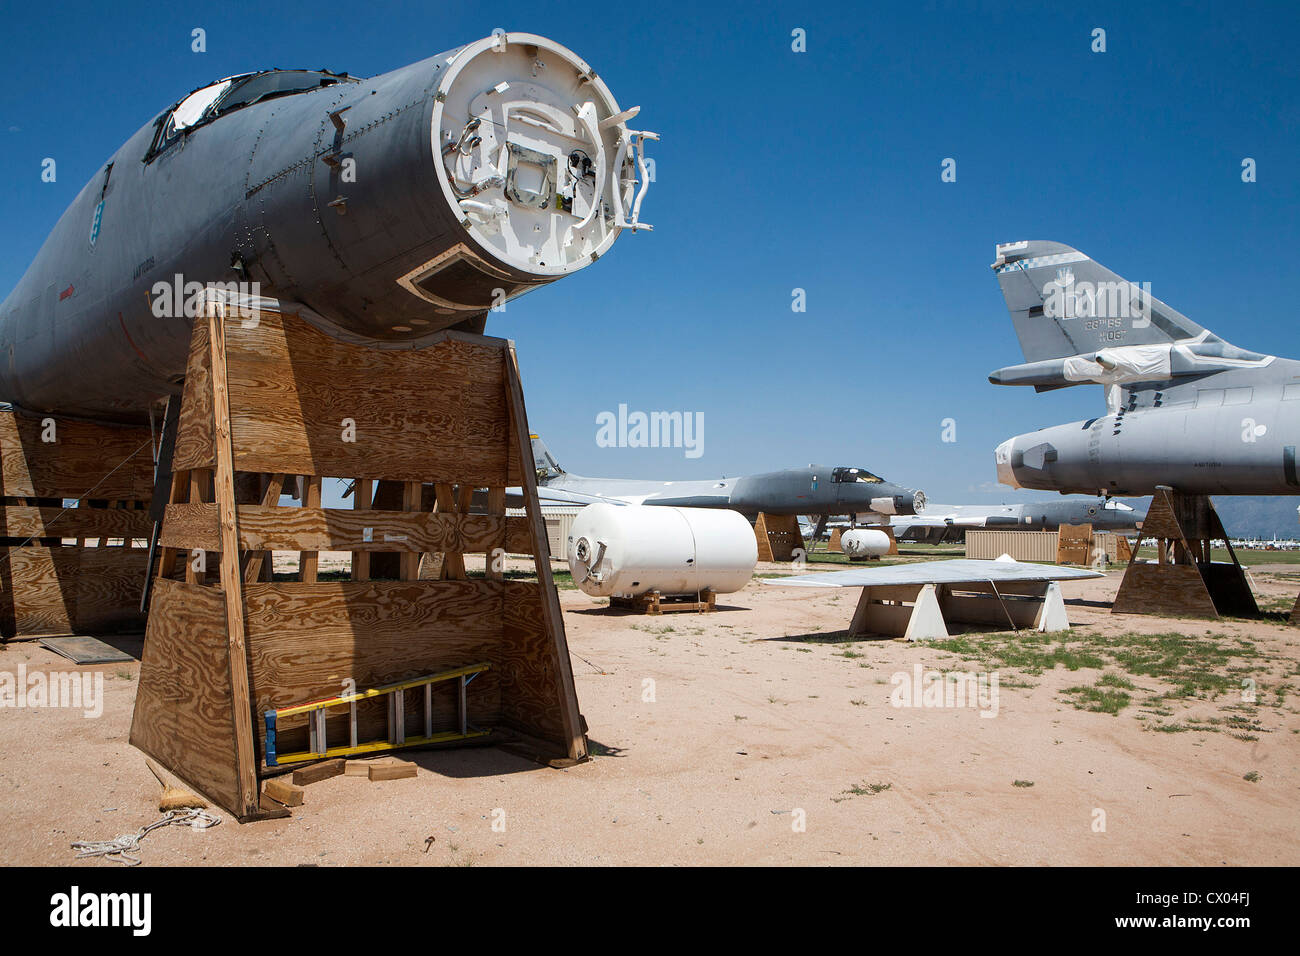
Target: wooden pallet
1184,581
276,405
80,569
653,602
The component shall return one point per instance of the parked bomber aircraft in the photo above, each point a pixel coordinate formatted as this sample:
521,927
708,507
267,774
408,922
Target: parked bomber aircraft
1184,407
942,523
380,209
815,490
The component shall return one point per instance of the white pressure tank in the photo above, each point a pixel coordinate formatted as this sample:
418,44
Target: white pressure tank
864,543
625,551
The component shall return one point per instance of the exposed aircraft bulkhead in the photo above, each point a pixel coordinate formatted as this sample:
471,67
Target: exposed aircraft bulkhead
475,176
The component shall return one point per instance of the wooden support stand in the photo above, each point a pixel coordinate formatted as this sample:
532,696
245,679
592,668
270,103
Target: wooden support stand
778,537
1074,544
74,525
271,402
922,612
1184,581
653,602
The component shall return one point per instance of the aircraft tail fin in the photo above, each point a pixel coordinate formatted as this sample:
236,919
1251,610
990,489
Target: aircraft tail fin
547,466
1064,303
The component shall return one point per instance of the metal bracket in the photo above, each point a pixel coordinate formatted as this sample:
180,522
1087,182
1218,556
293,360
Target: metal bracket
633,140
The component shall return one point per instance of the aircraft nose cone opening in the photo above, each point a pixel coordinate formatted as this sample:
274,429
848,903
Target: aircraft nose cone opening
918,502
537,159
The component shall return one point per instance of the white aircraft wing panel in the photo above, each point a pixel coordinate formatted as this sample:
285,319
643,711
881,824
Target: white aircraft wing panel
957,571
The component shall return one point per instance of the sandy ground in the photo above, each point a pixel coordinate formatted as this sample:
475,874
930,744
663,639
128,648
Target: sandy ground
749,736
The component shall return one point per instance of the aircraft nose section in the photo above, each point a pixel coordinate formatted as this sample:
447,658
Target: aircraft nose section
903,501
1004,455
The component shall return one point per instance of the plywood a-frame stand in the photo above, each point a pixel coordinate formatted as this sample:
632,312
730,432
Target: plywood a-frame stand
74,525
777,536
269,402
1184,582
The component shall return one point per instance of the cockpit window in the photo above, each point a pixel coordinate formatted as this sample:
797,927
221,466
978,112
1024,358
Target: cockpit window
854,474
233,93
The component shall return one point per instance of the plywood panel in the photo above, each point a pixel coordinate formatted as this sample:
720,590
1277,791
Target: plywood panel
182,711
27,522
432,413
530,684
194,448
114,462
263,528
1172,590
305,640
38,591
108,588
304,637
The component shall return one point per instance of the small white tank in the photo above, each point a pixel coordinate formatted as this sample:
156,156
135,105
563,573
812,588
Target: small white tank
628,550
864,543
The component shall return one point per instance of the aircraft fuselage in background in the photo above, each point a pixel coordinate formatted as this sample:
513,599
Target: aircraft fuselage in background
1184,407
814,490
942,523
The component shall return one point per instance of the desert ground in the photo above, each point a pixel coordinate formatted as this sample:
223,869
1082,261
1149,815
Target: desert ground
759,735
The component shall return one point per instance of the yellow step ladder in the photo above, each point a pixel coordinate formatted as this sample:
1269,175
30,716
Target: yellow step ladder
397,739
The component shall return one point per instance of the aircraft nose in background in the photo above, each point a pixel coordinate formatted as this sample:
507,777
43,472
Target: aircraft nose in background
1003,454
896,500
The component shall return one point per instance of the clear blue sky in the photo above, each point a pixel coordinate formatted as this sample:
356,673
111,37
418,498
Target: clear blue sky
777,170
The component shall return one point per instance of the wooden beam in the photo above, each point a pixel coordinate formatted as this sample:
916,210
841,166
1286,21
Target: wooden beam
260,561
453,560
232,581
362,492
410,562
496,505
284,792
319,771
309,561
574,730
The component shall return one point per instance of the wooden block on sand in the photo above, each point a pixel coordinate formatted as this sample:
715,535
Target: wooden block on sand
269,809
282,791
392,770
318,772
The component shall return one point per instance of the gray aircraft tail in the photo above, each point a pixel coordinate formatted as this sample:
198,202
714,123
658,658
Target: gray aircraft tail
547,466
1063,303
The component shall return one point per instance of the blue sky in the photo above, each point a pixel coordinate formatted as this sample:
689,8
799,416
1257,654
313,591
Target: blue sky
780,170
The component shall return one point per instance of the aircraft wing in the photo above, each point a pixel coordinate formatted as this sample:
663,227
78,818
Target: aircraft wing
556,496
957,571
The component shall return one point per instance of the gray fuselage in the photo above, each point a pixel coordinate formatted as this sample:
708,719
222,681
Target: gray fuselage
813,490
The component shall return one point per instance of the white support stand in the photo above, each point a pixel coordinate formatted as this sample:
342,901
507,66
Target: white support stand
1052,616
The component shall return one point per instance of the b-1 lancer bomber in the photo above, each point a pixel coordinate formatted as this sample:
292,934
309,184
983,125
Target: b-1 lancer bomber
814,490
